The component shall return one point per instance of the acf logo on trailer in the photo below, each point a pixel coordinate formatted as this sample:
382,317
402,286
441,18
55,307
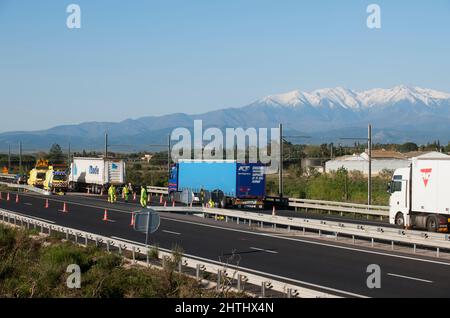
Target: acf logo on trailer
426,174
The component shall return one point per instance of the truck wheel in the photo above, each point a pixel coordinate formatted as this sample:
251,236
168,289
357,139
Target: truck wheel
432,224
400,220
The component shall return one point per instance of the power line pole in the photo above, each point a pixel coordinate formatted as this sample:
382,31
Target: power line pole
168,154
280,169
369,153
20,157
9,158
106,145
68,157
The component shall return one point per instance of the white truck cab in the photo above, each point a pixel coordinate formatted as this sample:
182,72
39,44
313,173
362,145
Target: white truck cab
399,202
420,196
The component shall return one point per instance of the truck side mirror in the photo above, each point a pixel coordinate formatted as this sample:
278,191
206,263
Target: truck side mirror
388,187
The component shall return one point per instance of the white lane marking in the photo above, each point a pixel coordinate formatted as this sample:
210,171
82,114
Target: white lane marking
312,242
263,250
170,232
244,269
278,237
411,278
26,203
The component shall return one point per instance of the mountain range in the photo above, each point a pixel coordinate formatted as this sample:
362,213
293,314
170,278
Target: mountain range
398,114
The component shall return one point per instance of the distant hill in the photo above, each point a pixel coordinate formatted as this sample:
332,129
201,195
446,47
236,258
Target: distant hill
398,115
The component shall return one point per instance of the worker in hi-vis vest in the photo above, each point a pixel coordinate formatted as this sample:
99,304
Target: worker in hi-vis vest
202,196
111,194
143,196
126,193
114,194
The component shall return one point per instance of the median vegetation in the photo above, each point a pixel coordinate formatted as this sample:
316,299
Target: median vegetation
35,266
342,185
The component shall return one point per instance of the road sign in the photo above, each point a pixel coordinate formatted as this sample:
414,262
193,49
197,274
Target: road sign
146,221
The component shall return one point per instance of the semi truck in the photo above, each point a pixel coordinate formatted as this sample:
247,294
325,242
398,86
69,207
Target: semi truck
228,182
420,196
56,179
95,174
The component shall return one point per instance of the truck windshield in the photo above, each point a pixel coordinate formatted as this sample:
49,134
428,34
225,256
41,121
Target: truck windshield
40,175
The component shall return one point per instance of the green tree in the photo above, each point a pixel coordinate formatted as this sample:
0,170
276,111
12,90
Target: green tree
407,147
55,155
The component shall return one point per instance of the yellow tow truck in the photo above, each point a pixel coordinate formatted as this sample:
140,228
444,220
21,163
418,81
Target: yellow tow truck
38,174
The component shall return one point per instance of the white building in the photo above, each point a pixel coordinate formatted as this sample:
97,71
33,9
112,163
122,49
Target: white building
381,160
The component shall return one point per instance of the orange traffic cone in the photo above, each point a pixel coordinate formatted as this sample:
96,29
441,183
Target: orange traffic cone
273,211
132,219
7,197
65,210
105,215
134,196
190,205
17,198
1,197
173,204
165,204
46,203
161,199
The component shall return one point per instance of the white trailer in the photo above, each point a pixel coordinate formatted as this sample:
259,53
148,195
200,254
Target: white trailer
420,194
95,174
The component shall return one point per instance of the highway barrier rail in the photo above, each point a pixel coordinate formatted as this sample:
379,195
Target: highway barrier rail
26,187
340,207
238,276
7,176
330,206
415,239
158,190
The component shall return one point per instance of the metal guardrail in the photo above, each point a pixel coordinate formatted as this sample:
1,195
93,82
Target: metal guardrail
340,207
158,190
413,238
341,204
241,275
7,176
26,187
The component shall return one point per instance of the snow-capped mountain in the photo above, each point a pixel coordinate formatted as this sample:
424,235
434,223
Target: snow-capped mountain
397,114
349,99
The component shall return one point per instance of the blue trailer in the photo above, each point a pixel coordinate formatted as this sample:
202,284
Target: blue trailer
242,184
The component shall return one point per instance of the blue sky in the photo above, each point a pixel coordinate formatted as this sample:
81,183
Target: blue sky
145,57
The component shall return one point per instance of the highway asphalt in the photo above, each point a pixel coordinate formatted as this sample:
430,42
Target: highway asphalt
319,265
